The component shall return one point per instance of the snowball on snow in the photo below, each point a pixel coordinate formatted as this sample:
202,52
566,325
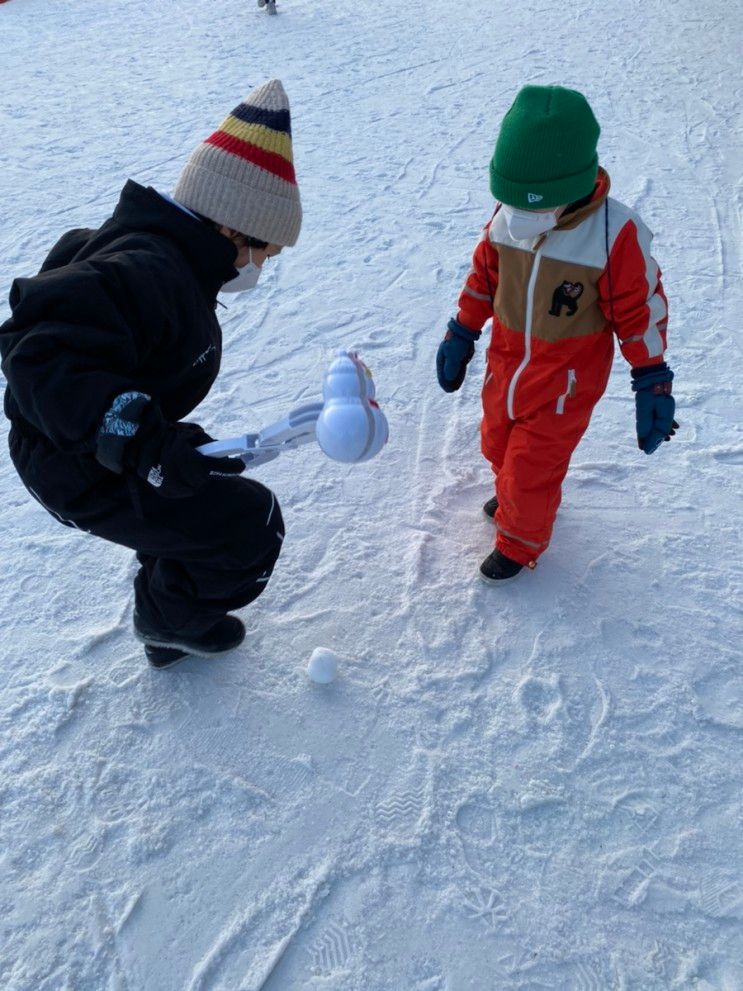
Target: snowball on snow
323,666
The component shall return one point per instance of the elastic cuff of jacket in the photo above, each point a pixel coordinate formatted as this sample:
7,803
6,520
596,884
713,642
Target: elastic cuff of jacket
651,375
459,330
120,424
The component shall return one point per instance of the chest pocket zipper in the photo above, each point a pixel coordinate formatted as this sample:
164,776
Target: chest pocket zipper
569,392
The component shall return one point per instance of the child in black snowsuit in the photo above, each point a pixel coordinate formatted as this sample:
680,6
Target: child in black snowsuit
116,340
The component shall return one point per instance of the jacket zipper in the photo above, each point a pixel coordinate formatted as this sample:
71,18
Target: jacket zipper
527,331
569,392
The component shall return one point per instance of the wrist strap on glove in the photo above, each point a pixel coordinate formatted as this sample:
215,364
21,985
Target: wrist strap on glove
657,378
456,329
120,423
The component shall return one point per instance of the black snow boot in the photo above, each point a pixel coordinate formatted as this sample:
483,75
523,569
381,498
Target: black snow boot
498,568
490,507
163,657
225,635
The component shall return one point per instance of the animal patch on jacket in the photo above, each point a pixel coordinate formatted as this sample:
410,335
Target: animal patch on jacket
568,295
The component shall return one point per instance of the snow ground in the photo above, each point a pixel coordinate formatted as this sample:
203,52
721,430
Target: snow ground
537,787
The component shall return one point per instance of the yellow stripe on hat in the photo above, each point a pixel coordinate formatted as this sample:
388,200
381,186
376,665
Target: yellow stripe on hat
261,136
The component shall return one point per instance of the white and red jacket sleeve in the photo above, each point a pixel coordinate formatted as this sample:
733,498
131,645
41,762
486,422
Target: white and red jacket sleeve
631,296
476,298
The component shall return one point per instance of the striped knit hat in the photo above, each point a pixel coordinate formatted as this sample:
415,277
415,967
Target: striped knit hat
243,175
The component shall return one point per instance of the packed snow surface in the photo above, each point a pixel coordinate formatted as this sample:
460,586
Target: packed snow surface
534,787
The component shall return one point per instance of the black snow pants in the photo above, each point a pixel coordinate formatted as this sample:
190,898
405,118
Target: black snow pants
200,557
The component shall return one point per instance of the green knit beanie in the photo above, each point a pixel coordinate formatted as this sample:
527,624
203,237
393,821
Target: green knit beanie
545,154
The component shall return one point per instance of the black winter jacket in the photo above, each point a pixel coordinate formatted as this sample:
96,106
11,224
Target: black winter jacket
128,307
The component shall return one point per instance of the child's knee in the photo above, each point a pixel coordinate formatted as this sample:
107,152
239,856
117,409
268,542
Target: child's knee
255,531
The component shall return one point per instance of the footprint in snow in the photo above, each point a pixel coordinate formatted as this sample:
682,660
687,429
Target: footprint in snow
332,948
719,698
541,698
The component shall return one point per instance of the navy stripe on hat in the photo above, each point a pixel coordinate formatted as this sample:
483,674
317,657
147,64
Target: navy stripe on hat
277,120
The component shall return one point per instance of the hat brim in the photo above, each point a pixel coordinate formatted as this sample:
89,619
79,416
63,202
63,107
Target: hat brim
544,195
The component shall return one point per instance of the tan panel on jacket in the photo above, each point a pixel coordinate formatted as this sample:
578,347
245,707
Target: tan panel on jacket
565,296
514,269
566,301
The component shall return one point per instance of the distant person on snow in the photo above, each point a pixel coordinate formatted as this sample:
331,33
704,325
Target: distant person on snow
270,5
116,340
560,268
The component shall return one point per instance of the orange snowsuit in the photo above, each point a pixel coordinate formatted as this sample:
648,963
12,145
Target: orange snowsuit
554,305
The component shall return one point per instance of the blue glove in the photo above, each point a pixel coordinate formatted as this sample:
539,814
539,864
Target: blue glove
454,354
654,406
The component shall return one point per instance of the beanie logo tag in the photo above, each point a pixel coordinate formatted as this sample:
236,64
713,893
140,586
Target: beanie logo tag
534,197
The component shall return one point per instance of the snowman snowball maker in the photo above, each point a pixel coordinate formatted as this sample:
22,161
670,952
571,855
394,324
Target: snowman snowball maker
348,424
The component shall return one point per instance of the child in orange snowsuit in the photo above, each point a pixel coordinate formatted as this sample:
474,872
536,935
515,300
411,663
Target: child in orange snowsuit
560,268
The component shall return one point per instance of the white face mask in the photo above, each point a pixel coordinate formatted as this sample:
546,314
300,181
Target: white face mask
524,225
247,278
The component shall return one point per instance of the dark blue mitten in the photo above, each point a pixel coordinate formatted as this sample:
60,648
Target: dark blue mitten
454,354
654,406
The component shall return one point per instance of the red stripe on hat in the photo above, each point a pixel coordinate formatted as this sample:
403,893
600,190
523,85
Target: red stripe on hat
267,160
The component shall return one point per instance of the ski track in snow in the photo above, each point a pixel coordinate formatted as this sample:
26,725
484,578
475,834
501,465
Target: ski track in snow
525,789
